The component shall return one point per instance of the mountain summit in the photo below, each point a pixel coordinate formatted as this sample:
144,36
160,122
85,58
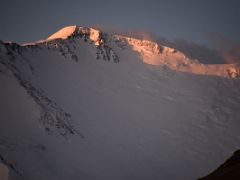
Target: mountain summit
85,104
69,31
150,52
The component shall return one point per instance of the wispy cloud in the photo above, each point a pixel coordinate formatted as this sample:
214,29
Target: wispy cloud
202,53
228,49
135,33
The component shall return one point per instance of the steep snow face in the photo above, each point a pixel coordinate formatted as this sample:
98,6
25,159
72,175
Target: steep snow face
63,33
71,109
66,32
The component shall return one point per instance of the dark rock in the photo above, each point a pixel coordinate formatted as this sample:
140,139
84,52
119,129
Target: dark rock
229,170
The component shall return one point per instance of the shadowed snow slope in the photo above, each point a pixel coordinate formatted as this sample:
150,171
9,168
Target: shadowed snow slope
88,105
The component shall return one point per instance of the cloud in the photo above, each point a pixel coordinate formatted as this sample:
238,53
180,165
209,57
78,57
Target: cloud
231,55
228,49
135,33
202,53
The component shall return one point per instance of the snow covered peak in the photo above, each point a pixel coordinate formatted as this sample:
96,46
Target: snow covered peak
63,33
69,31
145,47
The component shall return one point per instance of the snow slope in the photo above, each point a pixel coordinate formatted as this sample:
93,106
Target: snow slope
88,105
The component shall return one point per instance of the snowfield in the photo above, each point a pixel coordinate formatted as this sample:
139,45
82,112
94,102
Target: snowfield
88,105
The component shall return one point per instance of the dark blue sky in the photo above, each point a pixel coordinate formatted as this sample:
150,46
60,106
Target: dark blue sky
192,20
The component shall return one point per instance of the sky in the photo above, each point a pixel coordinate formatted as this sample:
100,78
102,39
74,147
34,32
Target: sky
197,21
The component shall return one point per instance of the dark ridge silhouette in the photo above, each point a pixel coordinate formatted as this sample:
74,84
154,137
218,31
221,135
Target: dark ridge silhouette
229,170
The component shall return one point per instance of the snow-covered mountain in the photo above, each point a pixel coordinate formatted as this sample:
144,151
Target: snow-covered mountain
84,104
